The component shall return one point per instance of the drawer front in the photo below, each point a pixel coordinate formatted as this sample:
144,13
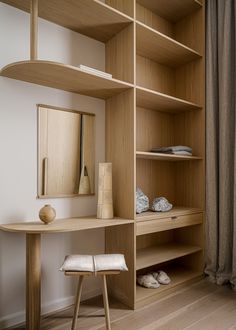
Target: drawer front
153,226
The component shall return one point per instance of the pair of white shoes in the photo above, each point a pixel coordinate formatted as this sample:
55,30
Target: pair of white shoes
153,280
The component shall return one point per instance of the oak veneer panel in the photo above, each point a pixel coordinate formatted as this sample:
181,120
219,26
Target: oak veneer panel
125,6
158,254
120,55
122,240
162,49
120,150
156,22
65,77
164,157
63,225
150,99
89,17
174,222
172,10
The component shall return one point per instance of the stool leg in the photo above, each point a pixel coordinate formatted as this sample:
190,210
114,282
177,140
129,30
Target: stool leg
106,303
77,302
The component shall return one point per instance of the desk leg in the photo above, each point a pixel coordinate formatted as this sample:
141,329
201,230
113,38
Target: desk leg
33,281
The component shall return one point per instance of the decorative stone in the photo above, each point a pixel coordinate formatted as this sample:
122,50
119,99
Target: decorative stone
47,214
142,201
161,204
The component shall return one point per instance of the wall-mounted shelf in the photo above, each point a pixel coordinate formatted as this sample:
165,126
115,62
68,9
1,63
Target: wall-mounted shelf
172,10
154,255
164,157
178,275
89,17
153,100
162,49
65,77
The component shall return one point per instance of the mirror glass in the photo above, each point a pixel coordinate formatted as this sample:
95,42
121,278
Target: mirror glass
66,152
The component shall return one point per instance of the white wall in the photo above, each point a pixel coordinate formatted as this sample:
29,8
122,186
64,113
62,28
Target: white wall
18,166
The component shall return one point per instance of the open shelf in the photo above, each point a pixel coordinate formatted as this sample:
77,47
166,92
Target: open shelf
178,275
162,49
153,100
154,255
65,77
174,212
89,17
172,10
164,157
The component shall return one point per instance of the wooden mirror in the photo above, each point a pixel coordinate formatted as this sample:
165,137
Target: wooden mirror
66,152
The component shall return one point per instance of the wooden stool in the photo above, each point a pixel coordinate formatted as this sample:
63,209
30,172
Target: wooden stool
79,291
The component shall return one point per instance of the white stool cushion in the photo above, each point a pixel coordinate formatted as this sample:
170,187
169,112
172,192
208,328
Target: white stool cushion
88,263
78,262
110,262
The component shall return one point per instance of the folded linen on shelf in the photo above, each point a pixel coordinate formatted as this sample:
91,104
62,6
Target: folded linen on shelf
95,71
176,150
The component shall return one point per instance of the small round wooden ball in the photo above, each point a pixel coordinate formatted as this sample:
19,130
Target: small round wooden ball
47,214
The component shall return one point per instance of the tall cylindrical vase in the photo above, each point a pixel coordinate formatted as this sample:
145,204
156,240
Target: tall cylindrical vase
105,201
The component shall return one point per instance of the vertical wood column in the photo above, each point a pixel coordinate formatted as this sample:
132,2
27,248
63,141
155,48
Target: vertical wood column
33,281
33,29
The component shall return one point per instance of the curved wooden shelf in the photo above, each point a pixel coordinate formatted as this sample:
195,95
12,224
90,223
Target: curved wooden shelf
162,49
89,17
65,77
63,225
165,157
153,100
172,10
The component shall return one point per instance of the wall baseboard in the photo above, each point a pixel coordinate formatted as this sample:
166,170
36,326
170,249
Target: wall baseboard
47,308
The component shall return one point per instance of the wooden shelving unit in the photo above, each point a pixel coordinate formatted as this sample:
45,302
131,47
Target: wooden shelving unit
155,53
154,255
162,49
150,99
179,276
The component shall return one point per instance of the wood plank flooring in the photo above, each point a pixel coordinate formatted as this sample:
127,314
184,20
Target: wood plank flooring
201,306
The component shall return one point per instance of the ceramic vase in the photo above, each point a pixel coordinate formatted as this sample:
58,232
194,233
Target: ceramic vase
105,201
84,185
47,214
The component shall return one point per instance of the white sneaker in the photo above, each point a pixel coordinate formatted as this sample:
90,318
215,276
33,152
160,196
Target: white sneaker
148,281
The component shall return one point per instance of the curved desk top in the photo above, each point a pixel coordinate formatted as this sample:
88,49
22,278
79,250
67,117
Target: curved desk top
63,225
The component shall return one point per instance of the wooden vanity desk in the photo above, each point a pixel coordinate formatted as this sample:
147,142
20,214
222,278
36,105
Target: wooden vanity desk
33,231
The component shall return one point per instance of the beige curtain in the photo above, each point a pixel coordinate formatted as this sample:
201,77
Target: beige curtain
220,141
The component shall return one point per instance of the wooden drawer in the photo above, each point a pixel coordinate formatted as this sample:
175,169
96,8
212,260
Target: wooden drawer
153,226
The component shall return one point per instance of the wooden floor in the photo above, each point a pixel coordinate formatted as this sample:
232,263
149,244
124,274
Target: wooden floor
201,306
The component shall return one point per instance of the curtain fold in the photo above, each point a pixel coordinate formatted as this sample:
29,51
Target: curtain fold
221,141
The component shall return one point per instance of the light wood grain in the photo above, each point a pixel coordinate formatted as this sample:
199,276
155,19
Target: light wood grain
120,151
153,100
65,77
164,157
63,225
122,240
33,29
77,302
158,47
106,303
161,253
125,6
33,281
172,10
162,224
89,17
148,17
120,55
